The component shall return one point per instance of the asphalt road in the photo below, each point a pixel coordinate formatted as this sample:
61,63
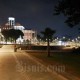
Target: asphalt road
21,66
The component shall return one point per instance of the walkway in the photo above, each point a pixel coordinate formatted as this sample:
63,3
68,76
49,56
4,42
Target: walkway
21,66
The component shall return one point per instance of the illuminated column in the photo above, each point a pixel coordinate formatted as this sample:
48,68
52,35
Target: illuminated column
11,21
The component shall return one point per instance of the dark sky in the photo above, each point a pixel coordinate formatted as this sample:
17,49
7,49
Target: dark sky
35,14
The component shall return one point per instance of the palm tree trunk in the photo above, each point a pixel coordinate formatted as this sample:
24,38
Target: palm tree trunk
15,49
48,48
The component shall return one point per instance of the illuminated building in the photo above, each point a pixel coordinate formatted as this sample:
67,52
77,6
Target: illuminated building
19,26
11,24
29,34
5,26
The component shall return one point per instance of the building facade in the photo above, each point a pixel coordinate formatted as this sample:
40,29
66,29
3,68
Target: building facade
11,24
29,34
8,25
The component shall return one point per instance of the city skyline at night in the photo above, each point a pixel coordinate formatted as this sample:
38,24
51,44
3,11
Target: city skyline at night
39,40
37,14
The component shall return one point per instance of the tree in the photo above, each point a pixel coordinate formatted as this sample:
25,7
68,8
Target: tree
39,37
48,34
14,34
5,33
70,9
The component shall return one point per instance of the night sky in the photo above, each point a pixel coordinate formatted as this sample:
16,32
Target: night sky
37,15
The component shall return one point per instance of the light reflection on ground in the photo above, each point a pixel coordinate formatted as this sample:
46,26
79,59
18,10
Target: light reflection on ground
7,48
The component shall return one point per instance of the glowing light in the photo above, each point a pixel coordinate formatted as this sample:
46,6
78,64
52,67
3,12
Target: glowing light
11,18
19,27
59,42
19,40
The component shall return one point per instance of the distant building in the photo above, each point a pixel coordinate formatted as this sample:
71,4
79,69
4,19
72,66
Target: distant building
19,26
11,21
29,34
8,25
5,26
11,24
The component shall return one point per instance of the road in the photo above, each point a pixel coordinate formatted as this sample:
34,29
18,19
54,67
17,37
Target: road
21,66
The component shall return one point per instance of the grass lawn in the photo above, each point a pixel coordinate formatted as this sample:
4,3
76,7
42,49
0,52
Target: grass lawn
69,60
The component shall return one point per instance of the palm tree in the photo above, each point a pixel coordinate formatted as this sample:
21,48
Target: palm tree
48,34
